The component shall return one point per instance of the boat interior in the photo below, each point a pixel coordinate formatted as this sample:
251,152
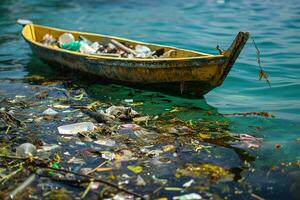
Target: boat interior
35,33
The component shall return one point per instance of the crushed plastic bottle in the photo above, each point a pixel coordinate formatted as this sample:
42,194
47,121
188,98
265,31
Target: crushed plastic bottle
95,45
50,112
65,38
142,51
25,150
73,129
108,142
85,48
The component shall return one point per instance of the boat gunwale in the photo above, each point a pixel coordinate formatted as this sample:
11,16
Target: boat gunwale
91,56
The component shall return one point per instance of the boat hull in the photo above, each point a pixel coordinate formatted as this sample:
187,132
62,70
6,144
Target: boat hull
192,75
185,78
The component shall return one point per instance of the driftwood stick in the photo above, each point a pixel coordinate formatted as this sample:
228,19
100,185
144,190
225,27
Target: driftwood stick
255,196
123,47
22,186
157,190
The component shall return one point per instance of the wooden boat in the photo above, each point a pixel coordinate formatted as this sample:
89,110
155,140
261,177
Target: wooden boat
189,73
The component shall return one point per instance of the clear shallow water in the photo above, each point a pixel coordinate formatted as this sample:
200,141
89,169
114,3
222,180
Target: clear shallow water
193,25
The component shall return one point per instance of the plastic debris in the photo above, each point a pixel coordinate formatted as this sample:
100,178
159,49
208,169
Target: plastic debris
191,196
121,112
25,150
245,141
131,126
108,142
122,196
135,168
48,147
108,155
125,155
48,40
142,51
65,38
140,181
72,46
173,188
128,100
73,129
188,184
50,112
85,48
102,169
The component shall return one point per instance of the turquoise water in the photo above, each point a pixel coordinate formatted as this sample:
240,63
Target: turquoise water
196,25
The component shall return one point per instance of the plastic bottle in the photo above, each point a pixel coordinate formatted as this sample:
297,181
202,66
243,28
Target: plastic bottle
65,38
73,46
25,150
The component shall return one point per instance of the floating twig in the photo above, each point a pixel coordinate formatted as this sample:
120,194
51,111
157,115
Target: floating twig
255,196
86,191
262,73
12,173
22,186
93,170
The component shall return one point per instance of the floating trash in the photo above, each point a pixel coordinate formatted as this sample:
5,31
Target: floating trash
108,142
25,150
50,112
73,129
191,196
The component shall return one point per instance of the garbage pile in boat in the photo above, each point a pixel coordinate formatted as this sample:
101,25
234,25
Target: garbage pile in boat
112,48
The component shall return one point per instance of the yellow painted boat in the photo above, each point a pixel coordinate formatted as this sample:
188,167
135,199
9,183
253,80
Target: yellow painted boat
189,73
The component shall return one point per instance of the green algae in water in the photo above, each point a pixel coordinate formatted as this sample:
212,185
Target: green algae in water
210,171
60,194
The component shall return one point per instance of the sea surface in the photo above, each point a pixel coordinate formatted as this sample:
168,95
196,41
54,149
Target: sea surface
201,26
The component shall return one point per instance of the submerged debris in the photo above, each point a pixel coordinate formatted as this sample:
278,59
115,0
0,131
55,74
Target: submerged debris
111,149
212,172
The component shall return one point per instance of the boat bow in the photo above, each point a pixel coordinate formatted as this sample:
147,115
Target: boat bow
233,52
